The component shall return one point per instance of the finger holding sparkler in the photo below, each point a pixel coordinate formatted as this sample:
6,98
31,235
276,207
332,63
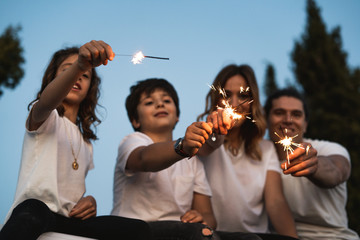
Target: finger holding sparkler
227,115
221,121
303,161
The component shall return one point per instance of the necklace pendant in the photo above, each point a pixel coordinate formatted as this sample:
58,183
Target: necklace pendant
75,165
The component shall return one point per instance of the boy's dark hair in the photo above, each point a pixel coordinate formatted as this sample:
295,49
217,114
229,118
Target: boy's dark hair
288,92
86,117
148,86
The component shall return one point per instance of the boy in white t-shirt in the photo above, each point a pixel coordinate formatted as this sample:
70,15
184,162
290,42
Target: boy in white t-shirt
157,179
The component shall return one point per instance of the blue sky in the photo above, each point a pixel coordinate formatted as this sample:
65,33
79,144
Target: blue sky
200,37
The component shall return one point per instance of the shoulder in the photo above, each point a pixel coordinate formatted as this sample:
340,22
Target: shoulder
135,137
51,121
326,148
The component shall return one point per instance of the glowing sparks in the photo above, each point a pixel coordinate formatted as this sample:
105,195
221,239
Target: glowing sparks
137,58
233,112
288,143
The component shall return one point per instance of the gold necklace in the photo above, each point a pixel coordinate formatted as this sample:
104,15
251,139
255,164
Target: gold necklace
75,164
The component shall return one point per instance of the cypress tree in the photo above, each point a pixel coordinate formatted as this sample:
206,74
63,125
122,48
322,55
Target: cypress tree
332,89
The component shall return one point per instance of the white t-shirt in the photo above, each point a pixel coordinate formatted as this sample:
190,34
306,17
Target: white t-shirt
237,184
153,196
319,213
46,171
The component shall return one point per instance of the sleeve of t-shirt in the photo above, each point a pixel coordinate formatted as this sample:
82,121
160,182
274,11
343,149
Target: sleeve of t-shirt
201,184
326,148
48,125
270,155
91,162
127,145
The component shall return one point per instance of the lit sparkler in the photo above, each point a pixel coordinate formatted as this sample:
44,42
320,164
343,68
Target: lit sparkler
287,142
139,57
231,111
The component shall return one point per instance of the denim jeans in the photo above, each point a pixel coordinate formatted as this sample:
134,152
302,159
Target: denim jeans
32,217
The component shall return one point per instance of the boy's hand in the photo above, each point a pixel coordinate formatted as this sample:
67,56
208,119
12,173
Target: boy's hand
93,54
192,216
196,135
84,209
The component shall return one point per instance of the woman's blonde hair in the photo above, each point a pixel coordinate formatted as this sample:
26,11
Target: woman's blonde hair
250,133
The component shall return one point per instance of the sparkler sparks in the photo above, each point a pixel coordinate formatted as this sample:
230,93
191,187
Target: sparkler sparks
230,110
233,112
287,142
139,57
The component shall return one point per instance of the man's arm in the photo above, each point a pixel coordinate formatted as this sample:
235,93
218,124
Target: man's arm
331,171
323,171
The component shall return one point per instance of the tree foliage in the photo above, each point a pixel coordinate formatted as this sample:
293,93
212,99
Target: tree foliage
332,89
270,84
11,58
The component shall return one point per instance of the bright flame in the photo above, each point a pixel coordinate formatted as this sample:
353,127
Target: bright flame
287,143
229,110
137,58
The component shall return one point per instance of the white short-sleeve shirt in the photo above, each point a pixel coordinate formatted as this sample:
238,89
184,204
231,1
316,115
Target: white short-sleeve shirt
152,196
46,171
237,184
319,213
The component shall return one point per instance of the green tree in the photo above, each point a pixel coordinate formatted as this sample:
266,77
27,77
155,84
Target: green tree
270,84
333,92
11,58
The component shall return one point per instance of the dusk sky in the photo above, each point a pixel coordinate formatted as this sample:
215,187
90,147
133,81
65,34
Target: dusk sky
200,37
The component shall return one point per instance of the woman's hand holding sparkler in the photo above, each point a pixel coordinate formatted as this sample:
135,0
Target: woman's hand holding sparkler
195,137
221,121
303,161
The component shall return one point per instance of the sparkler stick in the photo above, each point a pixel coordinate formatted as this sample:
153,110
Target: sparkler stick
287,143
163,58
231,111
139,56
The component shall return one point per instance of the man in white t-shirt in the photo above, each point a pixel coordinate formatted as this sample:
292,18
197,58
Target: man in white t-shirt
315,174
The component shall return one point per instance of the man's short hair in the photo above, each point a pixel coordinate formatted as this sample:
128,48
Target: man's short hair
288,92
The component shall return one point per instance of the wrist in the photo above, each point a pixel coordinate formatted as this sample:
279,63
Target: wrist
179,148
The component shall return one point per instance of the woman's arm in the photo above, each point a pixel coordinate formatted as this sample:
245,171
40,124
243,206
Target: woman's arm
277,206
201,211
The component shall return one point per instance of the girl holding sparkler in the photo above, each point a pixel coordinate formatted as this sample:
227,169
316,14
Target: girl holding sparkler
241,167
57,154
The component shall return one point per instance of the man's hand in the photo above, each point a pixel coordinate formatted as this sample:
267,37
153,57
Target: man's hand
303,161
